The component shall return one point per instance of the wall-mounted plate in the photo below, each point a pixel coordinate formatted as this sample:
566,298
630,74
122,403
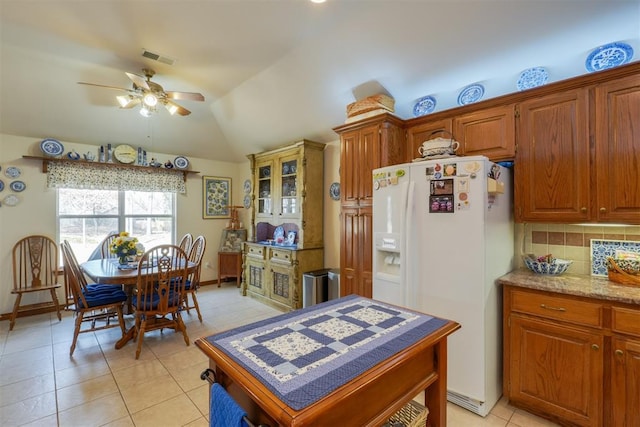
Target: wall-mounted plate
470,94
532,77
608,56
17,186
334,191
424,105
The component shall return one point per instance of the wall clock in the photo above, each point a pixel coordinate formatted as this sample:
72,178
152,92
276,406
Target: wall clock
125,153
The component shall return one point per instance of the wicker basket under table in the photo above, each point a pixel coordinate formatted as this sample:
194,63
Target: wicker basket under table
412,414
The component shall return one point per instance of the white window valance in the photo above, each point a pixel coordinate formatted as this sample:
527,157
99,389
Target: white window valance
112,177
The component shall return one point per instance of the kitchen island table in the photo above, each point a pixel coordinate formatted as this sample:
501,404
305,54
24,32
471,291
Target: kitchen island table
349,361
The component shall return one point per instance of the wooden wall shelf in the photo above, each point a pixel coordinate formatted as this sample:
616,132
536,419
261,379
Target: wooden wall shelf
47,160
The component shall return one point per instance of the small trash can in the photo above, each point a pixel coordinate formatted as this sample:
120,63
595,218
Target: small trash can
334,284
315,287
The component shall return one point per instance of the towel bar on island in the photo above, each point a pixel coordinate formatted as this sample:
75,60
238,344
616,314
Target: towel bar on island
210,376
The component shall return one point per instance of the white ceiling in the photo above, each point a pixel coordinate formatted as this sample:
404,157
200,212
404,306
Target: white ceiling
276,71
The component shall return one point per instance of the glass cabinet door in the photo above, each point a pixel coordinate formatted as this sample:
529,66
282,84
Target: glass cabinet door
265,190
288,189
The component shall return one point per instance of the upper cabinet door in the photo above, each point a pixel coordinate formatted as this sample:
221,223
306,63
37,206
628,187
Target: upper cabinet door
288,201
416,135
617,158
264,189
489,132
552,161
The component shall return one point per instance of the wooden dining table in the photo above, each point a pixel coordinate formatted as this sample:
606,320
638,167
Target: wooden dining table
107,271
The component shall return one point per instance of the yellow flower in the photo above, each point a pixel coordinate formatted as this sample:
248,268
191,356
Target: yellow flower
124,245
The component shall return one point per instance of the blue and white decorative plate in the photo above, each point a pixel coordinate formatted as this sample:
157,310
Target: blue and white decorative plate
11,200
1,185
334,191
247,186
278,232
17,186
247,201
424,105
601,249
12,172
471,94
609,56
532,77
51,147
181,162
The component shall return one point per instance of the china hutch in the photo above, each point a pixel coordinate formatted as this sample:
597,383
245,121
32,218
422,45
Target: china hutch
286,223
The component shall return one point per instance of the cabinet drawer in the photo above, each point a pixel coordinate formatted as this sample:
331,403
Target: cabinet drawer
281,255
625,320
256,251
556,307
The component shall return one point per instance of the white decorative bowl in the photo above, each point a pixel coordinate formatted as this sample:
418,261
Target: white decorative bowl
558,266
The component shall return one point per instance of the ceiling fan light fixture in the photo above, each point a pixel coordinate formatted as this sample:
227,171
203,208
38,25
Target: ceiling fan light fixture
145,112
150,100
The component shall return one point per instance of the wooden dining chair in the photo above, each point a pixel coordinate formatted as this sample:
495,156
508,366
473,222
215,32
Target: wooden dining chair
162,273
104,246
193,281
92,302
35,269
186,242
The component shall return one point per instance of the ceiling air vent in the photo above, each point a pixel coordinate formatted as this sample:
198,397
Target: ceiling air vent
158,57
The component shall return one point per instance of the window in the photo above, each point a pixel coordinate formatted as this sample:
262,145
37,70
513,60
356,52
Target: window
86,217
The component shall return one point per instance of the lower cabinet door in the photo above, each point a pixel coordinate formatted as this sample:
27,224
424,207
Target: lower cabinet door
557,370
625,389
255,277
281,285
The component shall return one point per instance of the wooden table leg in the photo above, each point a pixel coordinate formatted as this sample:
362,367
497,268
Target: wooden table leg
436,395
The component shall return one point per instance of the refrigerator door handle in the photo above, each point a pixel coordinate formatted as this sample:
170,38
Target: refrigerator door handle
408,235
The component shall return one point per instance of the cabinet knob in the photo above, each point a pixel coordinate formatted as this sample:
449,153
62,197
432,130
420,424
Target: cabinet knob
603,210
595,347
583,209
619,352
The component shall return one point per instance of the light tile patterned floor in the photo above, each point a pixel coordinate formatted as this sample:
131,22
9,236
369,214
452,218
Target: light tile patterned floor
40,385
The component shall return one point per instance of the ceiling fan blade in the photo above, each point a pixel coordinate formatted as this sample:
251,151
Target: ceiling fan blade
105,86
128,102
185,96
175,108
137,80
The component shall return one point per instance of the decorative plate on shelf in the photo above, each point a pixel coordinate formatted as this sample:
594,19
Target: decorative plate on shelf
12,172
608,56
11,200
51,147
247,201
334,191
532,77
125,153
471,94
278,232
17,186
247,186
424,105
181,162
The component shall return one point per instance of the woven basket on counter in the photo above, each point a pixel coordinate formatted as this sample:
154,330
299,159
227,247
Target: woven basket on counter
412,414
618,274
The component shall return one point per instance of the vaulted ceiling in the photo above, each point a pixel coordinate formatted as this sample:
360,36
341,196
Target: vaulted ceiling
275,71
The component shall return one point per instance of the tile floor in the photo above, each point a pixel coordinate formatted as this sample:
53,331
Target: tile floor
40,385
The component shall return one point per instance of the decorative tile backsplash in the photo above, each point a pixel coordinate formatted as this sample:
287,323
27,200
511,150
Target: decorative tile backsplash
601,249
570,241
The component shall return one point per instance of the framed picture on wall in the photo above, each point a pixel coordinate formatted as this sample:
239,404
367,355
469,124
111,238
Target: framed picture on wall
216,197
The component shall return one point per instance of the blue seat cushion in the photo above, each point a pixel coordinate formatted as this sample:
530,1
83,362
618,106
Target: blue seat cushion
101,295
152,303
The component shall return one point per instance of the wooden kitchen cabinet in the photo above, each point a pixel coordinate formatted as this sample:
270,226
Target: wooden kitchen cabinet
552,176
575,360
489,132
422,132
617,154
574,164
364,146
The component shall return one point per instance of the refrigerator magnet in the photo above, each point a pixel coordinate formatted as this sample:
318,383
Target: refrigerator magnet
450,169
463,185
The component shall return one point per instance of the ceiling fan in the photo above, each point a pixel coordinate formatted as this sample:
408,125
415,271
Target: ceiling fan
149,95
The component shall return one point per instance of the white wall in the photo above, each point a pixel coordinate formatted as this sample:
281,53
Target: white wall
36,212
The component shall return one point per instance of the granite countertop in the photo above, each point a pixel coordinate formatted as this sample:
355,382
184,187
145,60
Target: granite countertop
573,284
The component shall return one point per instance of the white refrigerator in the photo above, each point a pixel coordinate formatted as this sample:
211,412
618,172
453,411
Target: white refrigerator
443,233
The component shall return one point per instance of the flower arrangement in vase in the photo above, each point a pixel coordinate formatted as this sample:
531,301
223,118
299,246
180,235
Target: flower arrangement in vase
124,246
